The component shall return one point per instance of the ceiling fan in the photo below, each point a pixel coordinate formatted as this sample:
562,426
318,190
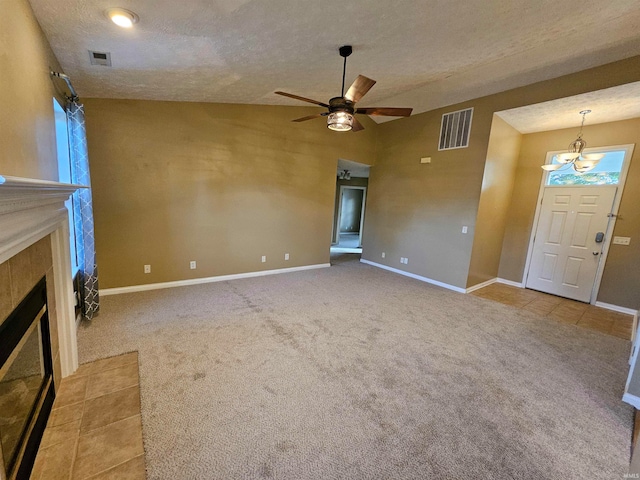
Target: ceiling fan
341,109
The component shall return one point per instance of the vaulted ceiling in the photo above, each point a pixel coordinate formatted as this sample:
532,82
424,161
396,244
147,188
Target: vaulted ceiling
423,54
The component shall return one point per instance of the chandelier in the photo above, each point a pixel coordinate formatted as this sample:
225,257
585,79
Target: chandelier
575,157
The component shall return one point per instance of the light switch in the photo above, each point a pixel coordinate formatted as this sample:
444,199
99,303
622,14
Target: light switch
465,229
622,240
425,160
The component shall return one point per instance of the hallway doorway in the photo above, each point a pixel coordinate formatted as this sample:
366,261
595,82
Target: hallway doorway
351,217
352,180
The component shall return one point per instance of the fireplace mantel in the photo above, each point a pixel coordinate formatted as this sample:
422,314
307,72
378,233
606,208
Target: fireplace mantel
31,209
28,208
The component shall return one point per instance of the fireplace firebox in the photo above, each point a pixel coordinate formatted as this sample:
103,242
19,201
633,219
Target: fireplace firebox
26,383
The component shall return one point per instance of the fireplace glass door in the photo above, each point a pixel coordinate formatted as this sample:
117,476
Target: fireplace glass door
25,381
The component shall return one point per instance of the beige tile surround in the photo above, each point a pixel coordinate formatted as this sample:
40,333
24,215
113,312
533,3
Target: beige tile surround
18,276
95,429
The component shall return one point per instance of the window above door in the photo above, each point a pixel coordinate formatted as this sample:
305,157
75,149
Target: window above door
607,172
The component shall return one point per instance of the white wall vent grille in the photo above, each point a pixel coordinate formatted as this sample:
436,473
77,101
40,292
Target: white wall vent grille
455,128
100,58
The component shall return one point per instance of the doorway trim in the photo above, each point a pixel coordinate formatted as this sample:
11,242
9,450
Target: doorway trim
628,149
364,199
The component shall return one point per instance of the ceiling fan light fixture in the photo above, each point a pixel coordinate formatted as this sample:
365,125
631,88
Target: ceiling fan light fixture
122,17
340,121
341,110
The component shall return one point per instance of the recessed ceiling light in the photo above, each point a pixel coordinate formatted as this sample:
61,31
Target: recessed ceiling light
121,17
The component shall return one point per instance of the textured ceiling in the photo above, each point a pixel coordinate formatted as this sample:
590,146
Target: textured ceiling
424,54
608,105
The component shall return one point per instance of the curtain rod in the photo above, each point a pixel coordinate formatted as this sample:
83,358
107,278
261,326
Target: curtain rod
74,95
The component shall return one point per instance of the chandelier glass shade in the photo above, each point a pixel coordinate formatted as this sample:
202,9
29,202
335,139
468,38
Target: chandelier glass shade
575,157
340,121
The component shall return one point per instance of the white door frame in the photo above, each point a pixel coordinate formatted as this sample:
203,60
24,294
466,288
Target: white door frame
628,149
364,198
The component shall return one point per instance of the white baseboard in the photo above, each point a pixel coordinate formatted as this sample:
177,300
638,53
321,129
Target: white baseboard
631,400
510,282
616,308
417,277
198,281
481,285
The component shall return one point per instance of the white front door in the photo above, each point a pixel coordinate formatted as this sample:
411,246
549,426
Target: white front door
566,250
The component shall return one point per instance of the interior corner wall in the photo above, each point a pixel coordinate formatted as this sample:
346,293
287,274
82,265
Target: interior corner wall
27,126
354,182
497,187
621,278
417,210
220,184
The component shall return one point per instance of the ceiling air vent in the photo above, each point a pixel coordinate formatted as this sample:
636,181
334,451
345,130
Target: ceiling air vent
100,58
455,128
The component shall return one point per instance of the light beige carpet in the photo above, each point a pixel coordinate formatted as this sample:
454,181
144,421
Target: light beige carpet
352,372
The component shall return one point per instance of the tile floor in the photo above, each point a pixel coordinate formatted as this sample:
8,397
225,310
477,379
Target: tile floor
561,309
95,431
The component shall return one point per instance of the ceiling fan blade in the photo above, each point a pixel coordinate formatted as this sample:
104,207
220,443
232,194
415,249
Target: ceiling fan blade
296,97
356,126
311,117
359,88
386,111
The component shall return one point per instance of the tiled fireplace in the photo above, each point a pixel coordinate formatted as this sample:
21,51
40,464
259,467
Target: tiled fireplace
37,324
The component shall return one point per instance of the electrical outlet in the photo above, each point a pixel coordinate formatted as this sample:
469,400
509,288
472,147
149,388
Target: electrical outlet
425,160
264,258
621,240
147,269
192,264
286,256
383,254
465,229
406,261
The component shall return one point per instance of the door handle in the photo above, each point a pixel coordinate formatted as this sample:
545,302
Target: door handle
599,237
596,253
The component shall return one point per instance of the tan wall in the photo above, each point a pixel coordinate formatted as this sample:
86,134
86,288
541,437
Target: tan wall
497,186
621,279
216,183
416,210
354,182
27,135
